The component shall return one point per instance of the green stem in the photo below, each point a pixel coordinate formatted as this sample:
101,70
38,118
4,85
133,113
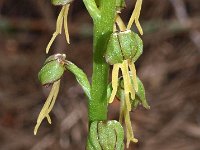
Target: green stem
103,27
92,9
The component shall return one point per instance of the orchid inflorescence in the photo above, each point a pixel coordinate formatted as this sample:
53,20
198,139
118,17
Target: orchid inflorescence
124,47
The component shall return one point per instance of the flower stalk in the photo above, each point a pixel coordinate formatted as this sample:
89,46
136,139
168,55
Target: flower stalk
103,19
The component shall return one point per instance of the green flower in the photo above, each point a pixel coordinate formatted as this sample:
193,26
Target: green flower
50,73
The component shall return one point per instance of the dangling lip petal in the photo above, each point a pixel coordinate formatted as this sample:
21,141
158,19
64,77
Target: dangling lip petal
44,113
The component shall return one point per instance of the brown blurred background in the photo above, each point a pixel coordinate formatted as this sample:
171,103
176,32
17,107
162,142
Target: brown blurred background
169,69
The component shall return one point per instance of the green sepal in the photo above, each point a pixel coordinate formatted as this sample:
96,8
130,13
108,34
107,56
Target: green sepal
131,45
92,141
135,102
140,98
128,44
105,135
61,2
140,95
51,72
113,53
122,46
138,47
80,76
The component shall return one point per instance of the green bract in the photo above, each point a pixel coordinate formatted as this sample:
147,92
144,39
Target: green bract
105,136
61,2
140,97
122,46
52,70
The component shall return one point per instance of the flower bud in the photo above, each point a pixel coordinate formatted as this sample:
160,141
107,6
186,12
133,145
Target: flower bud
122,46
105,135
61,2
52,70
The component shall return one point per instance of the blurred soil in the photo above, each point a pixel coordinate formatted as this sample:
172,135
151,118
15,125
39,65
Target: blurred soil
169,69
